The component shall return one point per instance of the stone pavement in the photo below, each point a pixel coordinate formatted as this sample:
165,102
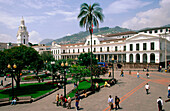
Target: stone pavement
130,89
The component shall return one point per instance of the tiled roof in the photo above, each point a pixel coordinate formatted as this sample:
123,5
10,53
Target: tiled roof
121,33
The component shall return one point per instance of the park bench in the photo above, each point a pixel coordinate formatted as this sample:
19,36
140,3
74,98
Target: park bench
4,101
26,99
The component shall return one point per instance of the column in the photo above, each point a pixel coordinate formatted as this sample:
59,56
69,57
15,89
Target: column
104,57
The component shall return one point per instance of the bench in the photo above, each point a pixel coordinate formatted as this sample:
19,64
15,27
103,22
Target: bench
26,99
4,101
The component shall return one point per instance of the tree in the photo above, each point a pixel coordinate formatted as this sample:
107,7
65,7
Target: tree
84,59
46,56
89,16
23,57
3,63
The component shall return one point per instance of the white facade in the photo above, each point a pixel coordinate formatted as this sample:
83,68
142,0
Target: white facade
22,34
147,46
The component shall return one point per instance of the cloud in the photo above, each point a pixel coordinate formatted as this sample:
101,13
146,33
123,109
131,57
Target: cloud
34,37
69,16
7,38
38,4
121,6
13,22
151,18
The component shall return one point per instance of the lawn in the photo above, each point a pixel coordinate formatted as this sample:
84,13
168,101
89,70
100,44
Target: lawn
84,85
32,89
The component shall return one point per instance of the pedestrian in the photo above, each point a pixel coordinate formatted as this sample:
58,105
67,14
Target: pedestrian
57,99
109,74
61,98
110,102
138,74
5,78
117,100
160,104
147,87
1,82
121,74
69,102
77,102
169,91
147,75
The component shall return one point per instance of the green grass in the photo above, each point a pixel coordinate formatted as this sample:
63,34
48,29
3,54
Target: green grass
84,85
32,89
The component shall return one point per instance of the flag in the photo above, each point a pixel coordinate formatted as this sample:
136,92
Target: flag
92,29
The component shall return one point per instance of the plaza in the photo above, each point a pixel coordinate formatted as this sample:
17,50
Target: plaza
129,89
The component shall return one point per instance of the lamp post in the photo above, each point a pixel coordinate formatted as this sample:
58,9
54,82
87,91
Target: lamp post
64,66
9,67
52,70
113,68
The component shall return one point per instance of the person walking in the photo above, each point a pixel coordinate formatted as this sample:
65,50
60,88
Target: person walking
147,75
110,102
1,82
117,100
138,74
69,102
61,98
147,87
160,103
121,74
77,102
169,91
57,99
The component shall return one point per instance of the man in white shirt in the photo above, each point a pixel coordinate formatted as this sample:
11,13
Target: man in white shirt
110,101
147,87
160,104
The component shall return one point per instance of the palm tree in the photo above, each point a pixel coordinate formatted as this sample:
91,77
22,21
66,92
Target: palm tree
89,16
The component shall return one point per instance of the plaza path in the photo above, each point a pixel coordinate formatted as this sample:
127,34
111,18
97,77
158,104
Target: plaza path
130,89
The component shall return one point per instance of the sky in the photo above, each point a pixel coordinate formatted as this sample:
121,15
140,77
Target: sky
52,19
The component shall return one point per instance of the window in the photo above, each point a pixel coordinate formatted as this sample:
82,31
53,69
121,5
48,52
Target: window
24,41
94,42
58,51
144,46
88,43
115,48
152,46
107,49
166,30
131,47
156,31
161,30
100,49
83,50
88,49
137,47
160,46
124,48
73,51
94,50
150,32
63,51
78,50
145,31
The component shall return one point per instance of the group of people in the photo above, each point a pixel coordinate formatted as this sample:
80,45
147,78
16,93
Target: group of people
61,101
110,102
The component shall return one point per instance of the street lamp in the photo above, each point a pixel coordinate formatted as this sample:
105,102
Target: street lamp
113,68
64,66
52,70
9,67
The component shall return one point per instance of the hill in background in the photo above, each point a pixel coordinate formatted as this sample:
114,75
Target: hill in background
81,36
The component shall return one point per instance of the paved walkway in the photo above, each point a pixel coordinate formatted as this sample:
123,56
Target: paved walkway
130,89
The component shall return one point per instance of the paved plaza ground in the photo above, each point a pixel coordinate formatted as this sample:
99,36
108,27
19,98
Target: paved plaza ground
129,89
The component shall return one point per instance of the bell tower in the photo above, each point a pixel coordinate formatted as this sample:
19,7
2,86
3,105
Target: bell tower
22,34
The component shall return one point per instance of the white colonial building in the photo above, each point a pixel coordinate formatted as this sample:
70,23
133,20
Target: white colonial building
128,48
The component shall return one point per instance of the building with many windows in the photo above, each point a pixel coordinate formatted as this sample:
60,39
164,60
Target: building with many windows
128,48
